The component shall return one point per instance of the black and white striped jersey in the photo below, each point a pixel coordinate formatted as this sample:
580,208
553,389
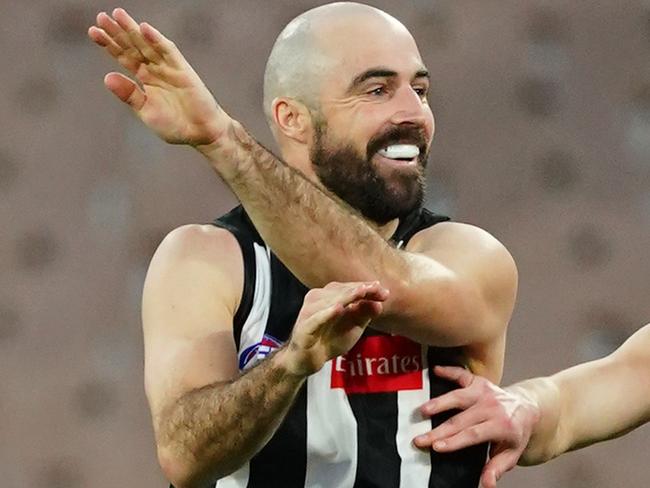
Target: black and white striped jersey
353,422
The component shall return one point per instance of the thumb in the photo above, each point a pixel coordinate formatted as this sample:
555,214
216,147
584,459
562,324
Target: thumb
488,479
126,90
496,467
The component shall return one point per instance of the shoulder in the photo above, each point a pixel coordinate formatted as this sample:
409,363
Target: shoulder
201,260
466,235
208,245
467,242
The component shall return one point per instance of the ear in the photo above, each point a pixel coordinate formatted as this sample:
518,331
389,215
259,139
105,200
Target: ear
292,119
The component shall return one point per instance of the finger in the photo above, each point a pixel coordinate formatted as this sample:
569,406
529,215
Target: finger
461,376
322,316
497,466
332,284
126,90
460,399
361,311
471,435
320,298
101,38
364,306
371,290
375,291
132,28
114,30
488,479
346,293
351,292
122,49
163,46
460,422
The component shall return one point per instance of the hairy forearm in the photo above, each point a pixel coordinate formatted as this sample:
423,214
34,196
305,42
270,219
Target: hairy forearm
210,432
322,239
328,240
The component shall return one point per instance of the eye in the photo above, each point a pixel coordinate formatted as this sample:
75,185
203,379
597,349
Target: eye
380,90
421,91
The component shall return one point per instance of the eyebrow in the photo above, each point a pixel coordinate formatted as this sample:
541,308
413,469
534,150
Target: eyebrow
381,72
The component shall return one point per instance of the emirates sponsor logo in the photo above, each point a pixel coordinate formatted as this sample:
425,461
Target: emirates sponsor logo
379,364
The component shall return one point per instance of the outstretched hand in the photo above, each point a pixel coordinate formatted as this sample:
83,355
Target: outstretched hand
488,414
166,93
331,321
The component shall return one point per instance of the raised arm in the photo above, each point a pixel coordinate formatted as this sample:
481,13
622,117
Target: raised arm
537,420
208,418
436,298
440,295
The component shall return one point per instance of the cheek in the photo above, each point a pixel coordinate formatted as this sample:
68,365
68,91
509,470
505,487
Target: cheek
367,124
358,128
360,122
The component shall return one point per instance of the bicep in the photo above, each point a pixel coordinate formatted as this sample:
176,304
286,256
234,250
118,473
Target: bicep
189,299
608,397
468,278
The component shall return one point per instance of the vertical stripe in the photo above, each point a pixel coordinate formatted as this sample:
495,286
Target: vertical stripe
331,434
416,463
287,296
459,469
282,461
251,334
255,325
378,462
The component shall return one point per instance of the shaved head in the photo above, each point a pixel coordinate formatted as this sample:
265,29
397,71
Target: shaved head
345,91
303,52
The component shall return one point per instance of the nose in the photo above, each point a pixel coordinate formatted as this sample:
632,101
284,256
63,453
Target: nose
410,108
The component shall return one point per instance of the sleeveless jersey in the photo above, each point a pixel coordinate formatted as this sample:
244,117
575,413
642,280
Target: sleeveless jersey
353,422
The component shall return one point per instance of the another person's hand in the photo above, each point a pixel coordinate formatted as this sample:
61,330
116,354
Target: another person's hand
169,97
331,321
488,414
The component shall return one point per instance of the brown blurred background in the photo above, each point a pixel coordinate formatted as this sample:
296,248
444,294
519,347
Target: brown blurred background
543,138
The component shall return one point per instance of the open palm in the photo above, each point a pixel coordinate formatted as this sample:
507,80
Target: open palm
170,98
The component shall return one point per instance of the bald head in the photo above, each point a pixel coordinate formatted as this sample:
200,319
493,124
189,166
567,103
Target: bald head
344,84
311,45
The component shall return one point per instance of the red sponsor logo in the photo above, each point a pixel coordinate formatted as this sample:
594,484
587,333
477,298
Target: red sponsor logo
379,364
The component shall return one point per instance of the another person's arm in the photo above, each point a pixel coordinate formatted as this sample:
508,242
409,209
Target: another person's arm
539,419
208,418
440,294
591,402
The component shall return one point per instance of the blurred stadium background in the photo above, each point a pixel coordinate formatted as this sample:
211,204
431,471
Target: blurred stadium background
543,138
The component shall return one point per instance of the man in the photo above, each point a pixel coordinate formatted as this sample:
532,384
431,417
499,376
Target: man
537,420
346,97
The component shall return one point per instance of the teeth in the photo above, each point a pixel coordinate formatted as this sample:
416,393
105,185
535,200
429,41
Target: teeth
400,151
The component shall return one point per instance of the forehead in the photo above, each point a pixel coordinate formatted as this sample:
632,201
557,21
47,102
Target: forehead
355,46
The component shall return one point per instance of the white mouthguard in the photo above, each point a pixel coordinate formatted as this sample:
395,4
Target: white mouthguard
400,151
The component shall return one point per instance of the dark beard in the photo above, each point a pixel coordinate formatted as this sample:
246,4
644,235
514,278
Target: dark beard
356,181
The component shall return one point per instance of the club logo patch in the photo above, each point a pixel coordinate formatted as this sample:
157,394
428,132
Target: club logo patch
255,353
379,364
